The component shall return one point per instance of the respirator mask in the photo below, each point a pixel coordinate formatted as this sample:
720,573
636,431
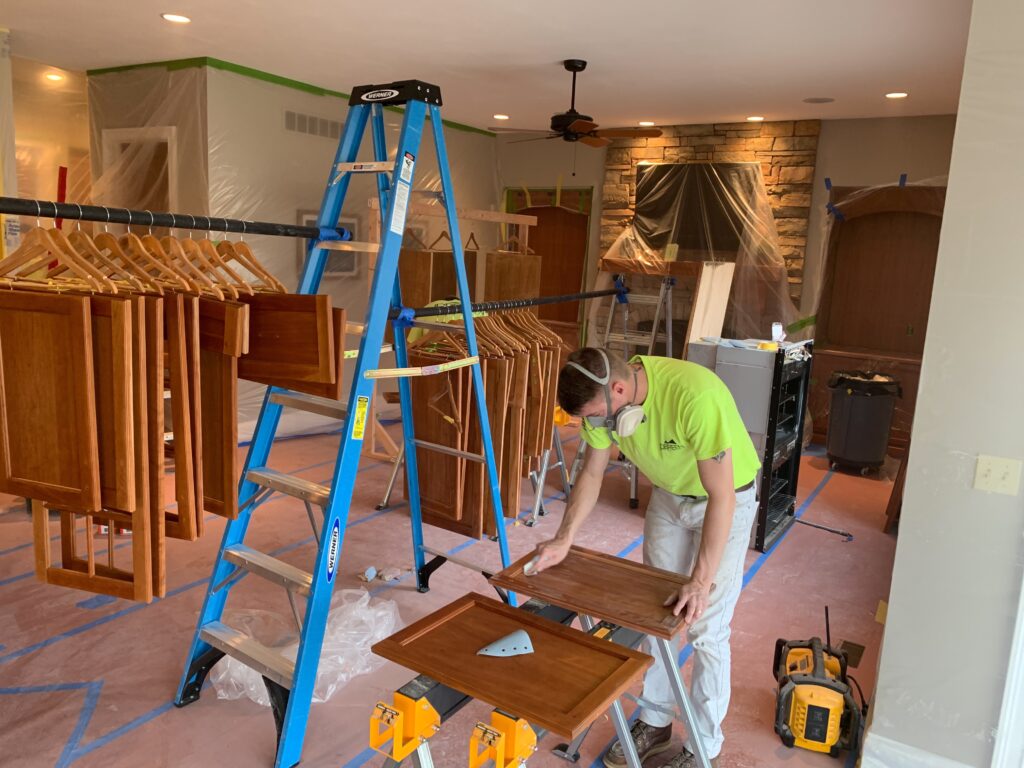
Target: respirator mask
623,422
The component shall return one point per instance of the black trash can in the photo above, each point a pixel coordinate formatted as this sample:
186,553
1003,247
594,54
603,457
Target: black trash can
862,404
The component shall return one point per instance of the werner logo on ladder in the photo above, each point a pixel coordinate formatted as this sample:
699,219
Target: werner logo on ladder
289,684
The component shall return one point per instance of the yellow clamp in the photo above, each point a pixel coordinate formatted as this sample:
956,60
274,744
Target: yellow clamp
406,723
508,741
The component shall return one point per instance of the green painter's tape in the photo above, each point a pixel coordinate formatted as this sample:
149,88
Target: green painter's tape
802,323
257,74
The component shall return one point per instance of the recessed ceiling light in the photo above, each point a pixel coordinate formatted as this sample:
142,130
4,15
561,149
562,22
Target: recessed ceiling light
54,77
818,100
646,123
501,117
755,119
175,18
896,95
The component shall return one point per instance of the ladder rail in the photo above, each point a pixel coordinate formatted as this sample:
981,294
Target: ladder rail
314,624
270,412
467,317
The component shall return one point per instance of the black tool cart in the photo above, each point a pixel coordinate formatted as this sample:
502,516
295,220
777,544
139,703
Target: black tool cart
770,390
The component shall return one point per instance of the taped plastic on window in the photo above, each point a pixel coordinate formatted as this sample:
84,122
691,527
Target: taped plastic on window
694,212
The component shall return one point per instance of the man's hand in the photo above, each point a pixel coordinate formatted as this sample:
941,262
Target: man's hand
548,554
691,601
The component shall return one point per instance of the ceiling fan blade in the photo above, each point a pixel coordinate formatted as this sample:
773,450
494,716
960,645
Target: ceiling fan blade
581,126
629,133
595,141
537,138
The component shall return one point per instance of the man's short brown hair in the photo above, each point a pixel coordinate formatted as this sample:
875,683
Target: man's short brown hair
575,389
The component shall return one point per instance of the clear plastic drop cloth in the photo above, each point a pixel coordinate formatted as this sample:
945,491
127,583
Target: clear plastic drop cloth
697,212
210,141
354,624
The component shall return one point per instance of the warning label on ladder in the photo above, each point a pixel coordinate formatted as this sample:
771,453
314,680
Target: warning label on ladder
407,163
401,204
359,425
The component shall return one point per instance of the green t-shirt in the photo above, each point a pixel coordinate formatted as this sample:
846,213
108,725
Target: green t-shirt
690,417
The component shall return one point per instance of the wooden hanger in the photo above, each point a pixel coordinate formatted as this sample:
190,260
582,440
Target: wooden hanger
108,243
32,245
410,237
197,260
231,279
132,244
176,255
443,236
186,273
85,245
241,253
53,250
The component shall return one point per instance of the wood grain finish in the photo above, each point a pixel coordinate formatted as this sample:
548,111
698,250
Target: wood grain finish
222,329
180,524
331,391
112,366
290,337
511,275
154,333
605,587
48,440
193,375
567,682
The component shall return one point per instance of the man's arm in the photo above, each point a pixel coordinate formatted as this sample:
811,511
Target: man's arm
581,502
717,478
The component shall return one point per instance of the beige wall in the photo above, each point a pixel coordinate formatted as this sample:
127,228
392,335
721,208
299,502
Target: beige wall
855,153
960,558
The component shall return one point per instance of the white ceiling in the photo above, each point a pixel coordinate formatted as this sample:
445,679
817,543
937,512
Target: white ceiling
670,61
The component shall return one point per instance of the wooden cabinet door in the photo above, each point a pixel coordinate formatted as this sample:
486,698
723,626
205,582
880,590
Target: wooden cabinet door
48,443
560,238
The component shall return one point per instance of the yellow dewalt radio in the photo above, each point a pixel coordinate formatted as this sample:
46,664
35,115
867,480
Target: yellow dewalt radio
815,709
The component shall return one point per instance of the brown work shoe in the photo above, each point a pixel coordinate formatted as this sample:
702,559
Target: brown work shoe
687,760
648,740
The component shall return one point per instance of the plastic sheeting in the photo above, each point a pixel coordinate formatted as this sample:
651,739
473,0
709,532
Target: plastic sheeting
8,175
215,142
354,624
695,212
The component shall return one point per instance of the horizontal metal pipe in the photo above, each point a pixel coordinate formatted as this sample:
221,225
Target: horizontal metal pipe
51,210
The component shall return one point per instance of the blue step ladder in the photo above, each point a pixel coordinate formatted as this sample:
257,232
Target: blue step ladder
290,684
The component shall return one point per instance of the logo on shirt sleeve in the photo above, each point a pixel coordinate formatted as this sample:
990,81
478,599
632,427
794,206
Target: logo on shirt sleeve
670,445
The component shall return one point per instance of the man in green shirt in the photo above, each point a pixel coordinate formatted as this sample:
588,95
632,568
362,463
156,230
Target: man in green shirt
678,423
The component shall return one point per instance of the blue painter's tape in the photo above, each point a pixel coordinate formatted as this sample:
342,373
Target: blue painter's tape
903,179
96,602
405,317
330,233
828,183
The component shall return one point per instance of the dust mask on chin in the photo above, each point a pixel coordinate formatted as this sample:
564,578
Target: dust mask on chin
623,422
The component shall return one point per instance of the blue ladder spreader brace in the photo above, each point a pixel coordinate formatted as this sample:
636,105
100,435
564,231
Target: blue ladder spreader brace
289,684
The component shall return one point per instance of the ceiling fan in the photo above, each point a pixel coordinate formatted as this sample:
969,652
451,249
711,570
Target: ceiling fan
573,126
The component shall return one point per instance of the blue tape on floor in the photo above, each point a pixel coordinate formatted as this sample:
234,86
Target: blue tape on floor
96,602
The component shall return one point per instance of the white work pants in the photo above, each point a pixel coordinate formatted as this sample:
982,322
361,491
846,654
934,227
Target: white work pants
672,534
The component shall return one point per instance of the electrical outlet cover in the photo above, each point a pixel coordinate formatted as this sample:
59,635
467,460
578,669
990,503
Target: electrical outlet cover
997,474
516,644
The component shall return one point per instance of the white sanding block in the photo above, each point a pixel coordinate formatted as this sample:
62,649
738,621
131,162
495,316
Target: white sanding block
515,644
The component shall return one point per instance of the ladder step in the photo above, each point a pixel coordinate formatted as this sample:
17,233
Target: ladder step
270,568
640,298
306,490
375,167
635,338
322,406
426,370
250,652
348,245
